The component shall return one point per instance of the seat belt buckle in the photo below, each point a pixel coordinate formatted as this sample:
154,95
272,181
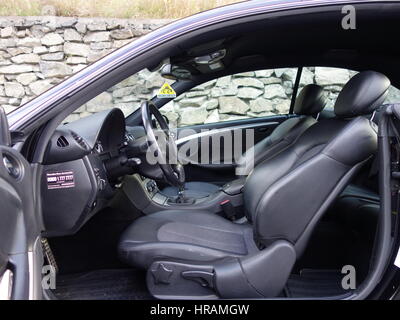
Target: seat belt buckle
228,209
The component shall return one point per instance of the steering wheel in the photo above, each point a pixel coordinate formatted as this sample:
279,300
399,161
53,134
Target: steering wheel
162,144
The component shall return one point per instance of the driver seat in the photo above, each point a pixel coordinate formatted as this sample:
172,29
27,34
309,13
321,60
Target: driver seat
309,103
201,255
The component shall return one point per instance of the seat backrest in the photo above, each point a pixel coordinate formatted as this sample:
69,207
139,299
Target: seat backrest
286,195
310,101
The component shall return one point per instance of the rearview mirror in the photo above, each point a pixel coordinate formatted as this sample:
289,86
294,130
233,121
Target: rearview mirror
172,72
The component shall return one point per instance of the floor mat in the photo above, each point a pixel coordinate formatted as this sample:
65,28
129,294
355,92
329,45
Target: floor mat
118,284
315,283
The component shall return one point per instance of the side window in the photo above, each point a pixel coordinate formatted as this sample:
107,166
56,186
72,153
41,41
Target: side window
332,80
240,96
393,95
126,95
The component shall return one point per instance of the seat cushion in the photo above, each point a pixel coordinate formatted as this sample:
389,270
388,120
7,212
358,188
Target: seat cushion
195,236
194,190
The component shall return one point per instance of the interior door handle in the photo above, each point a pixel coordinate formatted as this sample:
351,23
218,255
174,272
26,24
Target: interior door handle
263,129
6,283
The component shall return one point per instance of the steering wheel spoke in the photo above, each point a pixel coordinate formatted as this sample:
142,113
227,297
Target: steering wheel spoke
162,140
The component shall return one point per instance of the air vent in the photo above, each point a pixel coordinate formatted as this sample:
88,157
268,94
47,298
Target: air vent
80,140
62,142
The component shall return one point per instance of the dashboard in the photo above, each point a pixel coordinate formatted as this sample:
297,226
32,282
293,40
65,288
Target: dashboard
82,165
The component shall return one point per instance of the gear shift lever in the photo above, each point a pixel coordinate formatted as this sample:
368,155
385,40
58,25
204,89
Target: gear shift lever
181,194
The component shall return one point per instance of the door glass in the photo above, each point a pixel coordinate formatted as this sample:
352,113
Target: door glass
246,95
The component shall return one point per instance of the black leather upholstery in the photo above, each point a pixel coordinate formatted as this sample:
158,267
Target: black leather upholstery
310,101
284,198
197,236
364,92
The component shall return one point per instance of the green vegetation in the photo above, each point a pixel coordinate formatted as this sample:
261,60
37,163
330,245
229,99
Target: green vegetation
110,8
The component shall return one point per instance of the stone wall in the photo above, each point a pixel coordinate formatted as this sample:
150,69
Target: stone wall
39,52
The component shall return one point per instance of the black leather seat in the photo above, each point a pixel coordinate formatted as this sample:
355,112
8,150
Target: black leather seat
309,103
199,254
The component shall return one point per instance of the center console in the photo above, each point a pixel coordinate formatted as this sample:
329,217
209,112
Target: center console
145,195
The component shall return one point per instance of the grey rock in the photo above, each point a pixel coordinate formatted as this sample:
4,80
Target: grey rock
29,42
7,32
192,94
219,92
264,73
52,39
121,34
282,106
260,114
14,101
97,36
232,105
96,55
13,89
81,27
97,26
72,35
393,95
192,116
76,60
307,77
136,89
244,74
213,117
206,85
331,76
40,50
224,82
101,102
54,69
26,58
211,104
274,91
249,93
56,49
57,56
26,78
8,42
100,45
261,105
121,43
40,86
17,51
16,69
78,67
76,49
248,82
192,102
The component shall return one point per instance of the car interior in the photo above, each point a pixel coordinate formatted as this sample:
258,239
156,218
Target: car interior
139,238
307,205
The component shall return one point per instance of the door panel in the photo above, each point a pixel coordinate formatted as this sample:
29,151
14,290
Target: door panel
222,154
19,227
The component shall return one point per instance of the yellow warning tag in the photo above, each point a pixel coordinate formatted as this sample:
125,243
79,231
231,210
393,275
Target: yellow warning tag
166,91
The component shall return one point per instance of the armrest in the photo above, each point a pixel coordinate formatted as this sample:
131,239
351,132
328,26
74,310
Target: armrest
234,187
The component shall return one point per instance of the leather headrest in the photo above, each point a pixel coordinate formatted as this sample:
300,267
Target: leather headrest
362,94
310,101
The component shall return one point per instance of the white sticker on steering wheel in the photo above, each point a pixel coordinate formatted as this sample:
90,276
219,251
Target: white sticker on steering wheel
166,91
